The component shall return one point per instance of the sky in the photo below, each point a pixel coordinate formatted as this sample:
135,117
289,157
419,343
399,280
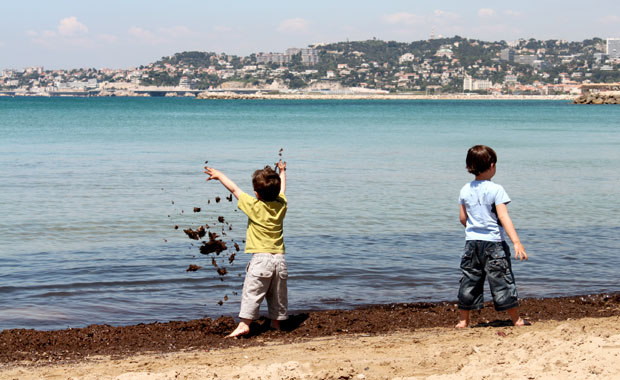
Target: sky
121,34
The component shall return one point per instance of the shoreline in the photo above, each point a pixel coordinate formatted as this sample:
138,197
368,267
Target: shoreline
208,96
78,344
313,96
586,348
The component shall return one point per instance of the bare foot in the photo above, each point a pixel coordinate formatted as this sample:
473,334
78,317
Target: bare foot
462,324
463,319
522,322
242,329
275,324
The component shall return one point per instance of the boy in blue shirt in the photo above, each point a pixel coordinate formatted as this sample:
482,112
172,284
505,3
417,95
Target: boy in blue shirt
484,214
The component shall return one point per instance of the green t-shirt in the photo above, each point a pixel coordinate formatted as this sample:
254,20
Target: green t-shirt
265,224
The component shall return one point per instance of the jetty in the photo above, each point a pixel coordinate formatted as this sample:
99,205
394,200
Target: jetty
599,93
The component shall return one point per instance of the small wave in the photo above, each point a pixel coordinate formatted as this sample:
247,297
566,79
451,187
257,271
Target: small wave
102,284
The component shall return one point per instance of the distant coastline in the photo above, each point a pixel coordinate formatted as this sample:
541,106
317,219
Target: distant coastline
384,96
316,96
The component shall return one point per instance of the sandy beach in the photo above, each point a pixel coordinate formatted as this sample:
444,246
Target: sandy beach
571,337
587,348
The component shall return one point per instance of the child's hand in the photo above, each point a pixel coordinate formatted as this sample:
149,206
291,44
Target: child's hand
213,173
520,252
282,166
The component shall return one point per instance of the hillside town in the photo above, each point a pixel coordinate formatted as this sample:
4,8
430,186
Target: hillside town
435,66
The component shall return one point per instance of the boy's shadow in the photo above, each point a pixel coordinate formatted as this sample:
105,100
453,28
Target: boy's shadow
495,323
262,325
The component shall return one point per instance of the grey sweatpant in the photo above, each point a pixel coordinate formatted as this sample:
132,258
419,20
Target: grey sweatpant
265,277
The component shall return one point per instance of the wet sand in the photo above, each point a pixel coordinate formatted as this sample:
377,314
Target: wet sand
572,337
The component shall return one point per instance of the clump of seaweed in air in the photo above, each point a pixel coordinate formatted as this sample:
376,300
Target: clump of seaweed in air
215,238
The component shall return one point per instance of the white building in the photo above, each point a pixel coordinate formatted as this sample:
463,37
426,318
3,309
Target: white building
444,51
470,84
613,48
482,84
278,58
407,57
309,56
184,82
511,79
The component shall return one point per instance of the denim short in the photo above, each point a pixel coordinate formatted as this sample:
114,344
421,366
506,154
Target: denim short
490,259
265,278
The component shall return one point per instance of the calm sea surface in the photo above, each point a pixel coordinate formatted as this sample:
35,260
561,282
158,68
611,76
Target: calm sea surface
91,189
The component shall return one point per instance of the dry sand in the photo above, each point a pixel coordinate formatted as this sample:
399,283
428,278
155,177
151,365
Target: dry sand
587,348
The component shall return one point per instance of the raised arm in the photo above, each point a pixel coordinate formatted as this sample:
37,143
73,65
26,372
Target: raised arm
502,215
282,173
227,182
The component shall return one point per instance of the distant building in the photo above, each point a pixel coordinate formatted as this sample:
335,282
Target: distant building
467,83
613,48
407,57
511,80
8,73
308,56
482,84
470,84
525,59
444,51
278,58
184,82
507,55
541,65
35,69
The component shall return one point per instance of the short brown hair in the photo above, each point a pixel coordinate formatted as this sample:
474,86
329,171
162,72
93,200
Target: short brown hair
266,183
479,159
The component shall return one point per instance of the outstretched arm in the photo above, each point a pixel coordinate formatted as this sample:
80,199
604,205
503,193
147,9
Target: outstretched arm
504,218
282,172
227,182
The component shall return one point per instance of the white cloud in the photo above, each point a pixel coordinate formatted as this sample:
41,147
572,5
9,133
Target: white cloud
48,34
610,19
161,35
107,38
443,16
70,26
406,25
222,29
403,18
294,25
486,12
176,31
144,35
512,13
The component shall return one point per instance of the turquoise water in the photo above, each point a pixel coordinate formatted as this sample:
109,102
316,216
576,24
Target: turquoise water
92,189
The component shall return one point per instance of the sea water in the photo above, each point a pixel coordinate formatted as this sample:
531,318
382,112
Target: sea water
92,189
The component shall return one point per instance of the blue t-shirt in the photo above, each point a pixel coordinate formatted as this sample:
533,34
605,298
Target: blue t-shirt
480,198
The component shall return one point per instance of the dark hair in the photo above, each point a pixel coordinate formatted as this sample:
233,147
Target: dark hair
266,183
479,159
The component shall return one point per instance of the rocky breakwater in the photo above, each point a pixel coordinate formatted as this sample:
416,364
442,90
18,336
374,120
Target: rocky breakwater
229,95
598,98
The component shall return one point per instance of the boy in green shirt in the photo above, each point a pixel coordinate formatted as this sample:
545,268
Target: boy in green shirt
266,273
